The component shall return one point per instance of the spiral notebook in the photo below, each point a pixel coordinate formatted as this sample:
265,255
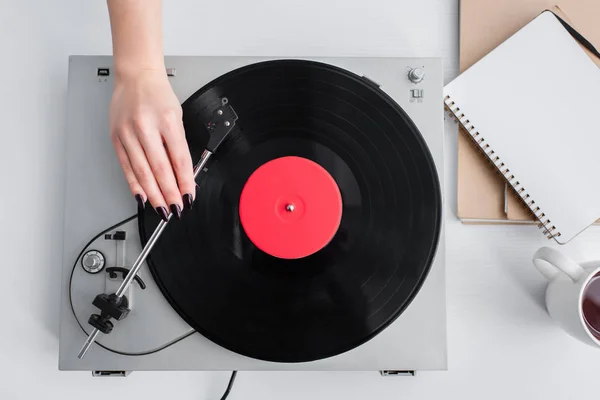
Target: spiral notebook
532,105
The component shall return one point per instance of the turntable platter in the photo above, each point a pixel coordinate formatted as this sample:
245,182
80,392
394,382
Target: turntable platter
254,301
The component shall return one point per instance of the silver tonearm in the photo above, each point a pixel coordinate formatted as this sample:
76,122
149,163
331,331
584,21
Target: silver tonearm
112,306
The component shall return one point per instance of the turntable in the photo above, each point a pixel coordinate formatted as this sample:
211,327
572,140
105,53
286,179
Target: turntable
316,241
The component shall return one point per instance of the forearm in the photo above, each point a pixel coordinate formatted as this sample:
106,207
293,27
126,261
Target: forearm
136,27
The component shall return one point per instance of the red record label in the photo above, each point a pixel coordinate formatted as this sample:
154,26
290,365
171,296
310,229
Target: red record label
290,207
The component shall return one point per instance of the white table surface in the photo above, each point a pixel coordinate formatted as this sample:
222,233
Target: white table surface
502,344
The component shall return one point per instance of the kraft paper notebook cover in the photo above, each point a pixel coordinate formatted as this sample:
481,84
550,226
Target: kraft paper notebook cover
484,24
532,106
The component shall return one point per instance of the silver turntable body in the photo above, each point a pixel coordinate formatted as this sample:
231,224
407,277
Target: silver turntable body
100,237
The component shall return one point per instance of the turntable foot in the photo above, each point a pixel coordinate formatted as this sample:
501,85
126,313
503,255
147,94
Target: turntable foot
392,372
111,374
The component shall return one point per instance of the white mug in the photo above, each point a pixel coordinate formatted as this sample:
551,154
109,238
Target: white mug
573,294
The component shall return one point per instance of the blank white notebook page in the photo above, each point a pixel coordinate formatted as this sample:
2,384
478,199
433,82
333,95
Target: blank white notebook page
536,102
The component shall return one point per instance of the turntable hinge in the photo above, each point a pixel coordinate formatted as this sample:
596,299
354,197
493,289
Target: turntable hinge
111,374
393,372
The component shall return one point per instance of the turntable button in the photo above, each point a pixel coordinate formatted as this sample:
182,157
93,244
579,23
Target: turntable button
93,261
416,75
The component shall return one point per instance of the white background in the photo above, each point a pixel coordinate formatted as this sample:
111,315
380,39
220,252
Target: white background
502,344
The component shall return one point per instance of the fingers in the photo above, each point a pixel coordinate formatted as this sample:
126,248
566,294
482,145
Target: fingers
159,172
180,159
160,165
134,185
143,173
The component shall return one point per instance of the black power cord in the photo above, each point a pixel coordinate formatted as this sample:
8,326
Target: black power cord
229,385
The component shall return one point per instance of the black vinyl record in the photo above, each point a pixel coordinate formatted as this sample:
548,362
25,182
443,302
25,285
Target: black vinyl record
341,296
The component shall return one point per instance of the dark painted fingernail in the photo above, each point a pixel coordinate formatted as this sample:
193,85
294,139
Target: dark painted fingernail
140,201
163,213
187,201
176,210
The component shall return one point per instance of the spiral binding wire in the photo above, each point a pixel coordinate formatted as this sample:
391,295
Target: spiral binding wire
550,230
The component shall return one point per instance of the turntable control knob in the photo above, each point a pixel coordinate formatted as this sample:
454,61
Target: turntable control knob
92,261
416,75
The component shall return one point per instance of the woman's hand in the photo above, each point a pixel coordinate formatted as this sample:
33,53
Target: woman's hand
146,130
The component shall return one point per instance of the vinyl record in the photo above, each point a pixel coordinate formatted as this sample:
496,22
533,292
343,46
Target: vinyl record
326,303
